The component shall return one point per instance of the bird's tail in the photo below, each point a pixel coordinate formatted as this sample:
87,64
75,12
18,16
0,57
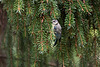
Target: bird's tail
60,40
55,42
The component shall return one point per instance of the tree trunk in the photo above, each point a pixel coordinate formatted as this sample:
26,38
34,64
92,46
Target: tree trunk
3,22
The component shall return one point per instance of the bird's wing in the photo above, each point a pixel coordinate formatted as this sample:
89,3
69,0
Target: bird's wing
57,29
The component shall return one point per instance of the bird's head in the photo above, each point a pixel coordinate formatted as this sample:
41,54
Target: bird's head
54,22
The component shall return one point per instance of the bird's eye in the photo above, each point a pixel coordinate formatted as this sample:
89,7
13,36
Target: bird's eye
53,21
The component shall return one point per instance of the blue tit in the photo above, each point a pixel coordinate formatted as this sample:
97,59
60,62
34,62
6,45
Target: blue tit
57,31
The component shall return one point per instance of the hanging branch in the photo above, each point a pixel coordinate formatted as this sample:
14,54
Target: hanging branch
33,27
29,9
97,18
47,38
28,48
80,56
86,9
11,57
10,45
60,47
18,42
95,49
33,31
35,60
41,27
35,63
95,45
67,53
76,43
41,35
25,28
80,38
28,65
18,53
11,13
51,11
54,14
47,1
18,6
35,57
79,32
72,1
17,22
49,32
24,25
34,13
80,5
70,15
84,1
63,61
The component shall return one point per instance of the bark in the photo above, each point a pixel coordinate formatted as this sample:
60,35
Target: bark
3,22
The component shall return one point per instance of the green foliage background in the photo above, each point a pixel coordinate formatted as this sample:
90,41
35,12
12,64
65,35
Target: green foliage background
29,35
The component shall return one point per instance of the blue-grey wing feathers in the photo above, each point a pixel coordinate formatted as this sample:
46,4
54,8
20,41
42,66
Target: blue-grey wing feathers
57,32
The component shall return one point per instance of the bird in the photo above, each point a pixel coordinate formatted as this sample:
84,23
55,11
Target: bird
57,31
